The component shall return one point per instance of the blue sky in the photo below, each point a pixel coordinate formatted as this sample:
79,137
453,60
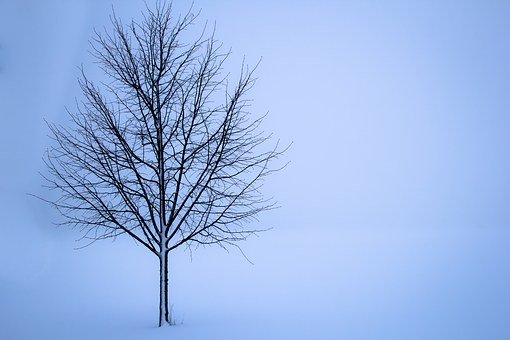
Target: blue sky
398,112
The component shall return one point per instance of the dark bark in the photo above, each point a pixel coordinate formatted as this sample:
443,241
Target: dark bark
166,150
164,312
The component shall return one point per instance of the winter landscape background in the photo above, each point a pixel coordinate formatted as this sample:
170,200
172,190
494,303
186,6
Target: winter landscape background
394,221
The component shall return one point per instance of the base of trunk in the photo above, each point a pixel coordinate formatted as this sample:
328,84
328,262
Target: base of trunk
165,317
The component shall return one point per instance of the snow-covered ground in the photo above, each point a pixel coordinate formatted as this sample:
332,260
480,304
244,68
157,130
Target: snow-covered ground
349,283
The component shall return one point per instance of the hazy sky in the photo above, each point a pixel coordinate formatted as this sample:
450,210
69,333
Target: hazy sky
398,110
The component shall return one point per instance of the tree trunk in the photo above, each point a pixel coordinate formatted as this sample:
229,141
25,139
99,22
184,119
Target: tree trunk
164,316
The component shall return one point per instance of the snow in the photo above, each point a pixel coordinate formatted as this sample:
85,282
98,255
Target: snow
351,283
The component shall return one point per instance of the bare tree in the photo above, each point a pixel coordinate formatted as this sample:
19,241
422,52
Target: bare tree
165,151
